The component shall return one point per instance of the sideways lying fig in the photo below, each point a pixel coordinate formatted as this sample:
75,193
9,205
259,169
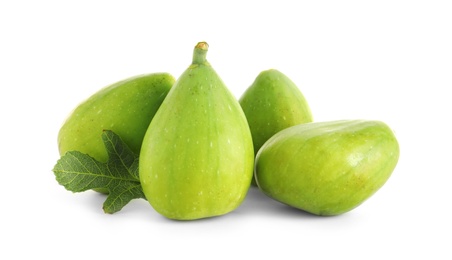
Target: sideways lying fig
327,168
126,108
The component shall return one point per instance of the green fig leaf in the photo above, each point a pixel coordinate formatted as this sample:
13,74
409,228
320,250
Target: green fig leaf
79,172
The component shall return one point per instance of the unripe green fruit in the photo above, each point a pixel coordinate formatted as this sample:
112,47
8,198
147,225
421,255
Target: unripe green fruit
126,107
272,103
197,156
327,168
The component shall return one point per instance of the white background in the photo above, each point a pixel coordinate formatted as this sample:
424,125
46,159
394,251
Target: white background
382,60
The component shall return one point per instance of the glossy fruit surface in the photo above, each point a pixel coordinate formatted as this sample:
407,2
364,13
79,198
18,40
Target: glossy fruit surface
126,107
327,168
197,156
272,103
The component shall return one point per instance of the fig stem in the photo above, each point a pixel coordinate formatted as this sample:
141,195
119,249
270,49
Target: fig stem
200,53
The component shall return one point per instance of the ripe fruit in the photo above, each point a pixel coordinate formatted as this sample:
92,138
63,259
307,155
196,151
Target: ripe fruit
126,107
272,103
197,155
327,168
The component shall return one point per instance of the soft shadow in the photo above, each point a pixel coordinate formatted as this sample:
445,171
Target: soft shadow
257,203
94,199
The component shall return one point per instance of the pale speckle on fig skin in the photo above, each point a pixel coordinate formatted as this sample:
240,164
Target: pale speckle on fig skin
354,159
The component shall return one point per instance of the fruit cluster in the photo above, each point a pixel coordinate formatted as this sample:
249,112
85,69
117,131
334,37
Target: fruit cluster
200,149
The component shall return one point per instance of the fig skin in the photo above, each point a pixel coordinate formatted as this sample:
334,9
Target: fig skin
273,103
327,168
197,156
125,107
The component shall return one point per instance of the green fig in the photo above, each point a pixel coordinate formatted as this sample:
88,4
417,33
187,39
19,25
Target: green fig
272,103
126,108
327,168
197,156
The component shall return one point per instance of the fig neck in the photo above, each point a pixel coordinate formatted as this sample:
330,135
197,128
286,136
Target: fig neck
200,53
